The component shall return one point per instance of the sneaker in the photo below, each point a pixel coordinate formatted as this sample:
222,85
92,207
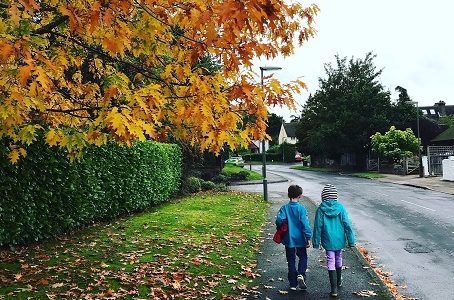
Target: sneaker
301,282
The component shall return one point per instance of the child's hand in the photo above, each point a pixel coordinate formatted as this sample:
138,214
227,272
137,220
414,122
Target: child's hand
309,244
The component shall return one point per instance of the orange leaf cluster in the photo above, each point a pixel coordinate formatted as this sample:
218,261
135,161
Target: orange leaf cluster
92,71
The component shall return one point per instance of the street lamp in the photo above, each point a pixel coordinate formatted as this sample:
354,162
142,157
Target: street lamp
421,172
265,182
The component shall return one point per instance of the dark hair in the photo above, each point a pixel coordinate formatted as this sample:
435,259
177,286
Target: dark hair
294,191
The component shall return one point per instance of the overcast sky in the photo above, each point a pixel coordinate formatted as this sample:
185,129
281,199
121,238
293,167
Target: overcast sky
413,41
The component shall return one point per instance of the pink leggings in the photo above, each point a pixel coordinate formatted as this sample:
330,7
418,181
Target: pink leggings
333,259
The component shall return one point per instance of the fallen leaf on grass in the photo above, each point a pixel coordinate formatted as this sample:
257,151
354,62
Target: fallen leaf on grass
57,285
365,293
43,281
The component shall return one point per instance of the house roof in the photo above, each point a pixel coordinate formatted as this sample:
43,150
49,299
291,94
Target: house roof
252,146
290,129
439,109
446,135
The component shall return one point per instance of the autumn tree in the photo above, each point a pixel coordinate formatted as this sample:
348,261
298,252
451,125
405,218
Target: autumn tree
91,71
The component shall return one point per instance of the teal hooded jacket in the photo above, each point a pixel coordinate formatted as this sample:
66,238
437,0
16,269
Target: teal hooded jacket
332,227
299,229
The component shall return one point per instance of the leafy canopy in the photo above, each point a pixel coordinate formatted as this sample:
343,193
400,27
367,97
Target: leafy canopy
92,71
396,144
349,106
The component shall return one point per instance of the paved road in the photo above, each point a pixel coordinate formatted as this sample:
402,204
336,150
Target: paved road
410,231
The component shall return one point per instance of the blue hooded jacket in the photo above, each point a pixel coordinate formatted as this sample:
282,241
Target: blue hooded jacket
332,227
299,229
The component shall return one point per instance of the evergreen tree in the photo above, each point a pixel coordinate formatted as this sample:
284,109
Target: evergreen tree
349,106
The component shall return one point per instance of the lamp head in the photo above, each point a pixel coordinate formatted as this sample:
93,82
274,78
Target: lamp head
270,68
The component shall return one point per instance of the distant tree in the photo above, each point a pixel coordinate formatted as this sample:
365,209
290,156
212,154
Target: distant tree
396,144
404,111
446,120
274,126
349,106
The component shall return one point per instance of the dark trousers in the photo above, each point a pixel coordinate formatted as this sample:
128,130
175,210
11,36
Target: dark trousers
293,272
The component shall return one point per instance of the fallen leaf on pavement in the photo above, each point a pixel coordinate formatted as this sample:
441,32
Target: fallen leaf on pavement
365,293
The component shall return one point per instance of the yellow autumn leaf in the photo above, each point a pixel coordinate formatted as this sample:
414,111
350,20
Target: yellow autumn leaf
13,156
52,138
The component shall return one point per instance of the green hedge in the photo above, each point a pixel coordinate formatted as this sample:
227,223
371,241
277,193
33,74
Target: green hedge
45,195
258,157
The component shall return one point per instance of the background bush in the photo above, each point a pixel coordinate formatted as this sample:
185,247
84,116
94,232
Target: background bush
44,194
192,185
207,185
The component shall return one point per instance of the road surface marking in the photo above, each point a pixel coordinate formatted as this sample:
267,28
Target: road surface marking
418,205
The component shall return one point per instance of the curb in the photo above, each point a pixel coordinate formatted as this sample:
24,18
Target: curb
381,285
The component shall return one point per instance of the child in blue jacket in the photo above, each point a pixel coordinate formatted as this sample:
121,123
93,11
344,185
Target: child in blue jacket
298,237
332,226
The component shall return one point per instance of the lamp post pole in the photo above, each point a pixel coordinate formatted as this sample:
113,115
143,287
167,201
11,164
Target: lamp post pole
265,182
421,171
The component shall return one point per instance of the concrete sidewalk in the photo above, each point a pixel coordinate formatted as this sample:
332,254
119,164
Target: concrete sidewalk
272,264
429,183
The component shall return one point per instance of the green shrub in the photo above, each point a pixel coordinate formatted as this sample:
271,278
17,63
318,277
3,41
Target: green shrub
220,187
207,185
221,178
45,195
269,157
192,185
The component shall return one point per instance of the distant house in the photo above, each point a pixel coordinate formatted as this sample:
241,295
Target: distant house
256,146
287,133
439,109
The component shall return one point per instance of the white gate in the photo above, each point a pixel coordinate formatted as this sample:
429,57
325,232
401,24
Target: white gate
435,156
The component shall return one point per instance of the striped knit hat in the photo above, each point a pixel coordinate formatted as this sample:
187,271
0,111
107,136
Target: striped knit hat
329,192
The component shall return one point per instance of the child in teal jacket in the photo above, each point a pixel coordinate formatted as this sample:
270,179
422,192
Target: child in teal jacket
298,237
333,229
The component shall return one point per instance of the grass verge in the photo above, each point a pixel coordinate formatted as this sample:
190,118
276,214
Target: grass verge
231,171
368,175
199,247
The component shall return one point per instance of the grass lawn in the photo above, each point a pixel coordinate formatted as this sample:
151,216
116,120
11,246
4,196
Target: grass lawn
198,247
230,170
369,175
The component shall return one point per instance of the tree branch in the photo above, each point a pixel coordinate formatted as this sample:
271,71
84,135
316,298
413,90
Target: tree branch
71,110
48,28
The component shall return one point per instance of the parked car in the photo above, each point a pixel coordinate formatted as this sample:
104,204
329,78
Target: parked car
236,161
298,157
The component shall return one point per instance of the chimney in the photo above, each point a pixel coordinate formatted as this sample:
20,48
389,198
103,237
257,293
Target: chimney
441,108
